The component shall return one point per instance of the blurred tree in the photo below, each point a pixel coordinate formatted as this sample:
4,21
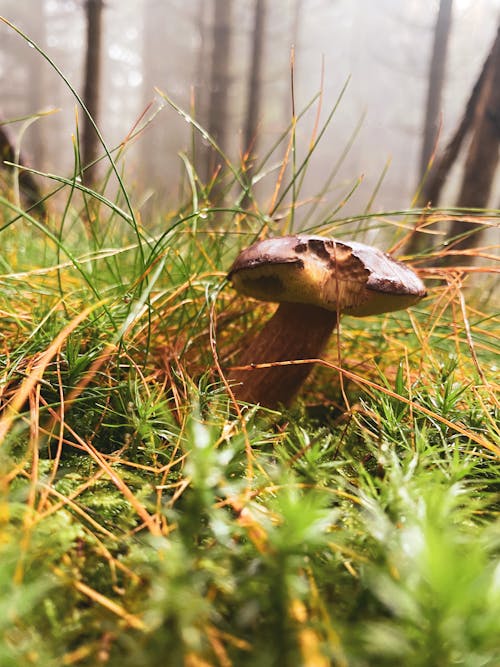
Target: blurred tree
171,40
200,73
481,118
37,29
91,90
441,167
28,187
435,83
254,89
199,94
218,113
482,157
436,79
153,75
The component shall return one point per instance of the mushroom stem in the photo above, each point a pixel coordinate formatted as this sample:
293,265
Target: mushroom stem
295,331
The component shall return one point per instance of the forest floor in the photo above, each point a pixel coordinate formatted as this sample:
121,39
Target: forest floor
147,519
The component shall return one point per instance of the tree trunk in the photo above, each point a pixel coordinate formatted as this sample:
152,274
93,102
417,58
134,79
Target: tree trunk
254,89
38,85
200,102
436,81
482,158
440,169
200,72
92,80
28,186
436,179
152,141
292,68
218,116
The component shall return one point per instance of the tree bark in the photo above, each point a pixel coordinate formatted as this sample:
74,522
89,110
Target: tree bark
436,81
38,85
440,169
91,91
292,69
436,179
28,186
482,158
199,101
152,142
218,115
254,89
200,72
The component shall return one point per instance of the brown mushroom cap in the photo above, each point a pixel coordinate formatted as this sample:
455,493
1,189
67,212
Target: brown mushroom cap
347,277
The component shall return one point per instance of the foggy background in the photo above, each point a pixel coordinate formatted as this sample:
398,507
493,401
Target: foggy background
381,47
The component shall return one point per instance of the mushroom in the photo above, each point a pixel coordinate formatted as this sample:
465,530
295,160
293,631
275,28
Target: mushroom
314,279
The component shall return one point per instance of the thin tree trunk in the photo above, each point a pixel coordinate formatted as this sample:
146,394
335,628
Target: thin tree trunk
91,91
436,81
292,67
482,158
28,186
37,88
254,90
436,179
151,143
218,117
440,169
200,73
200,99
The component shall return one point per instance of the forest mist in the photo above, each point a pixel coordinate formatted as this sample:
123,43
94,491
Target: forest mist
379,51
